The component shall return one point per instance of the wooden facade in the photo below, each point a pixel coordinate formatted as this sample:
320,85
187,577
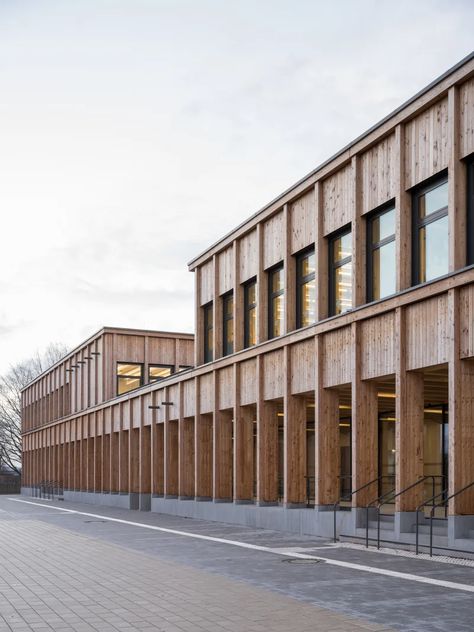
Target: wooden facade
267,424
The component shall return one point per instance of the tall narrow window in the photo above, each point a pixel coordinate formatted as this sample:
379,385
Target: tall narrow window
250,313
340,272
276,299
157,372
208,333
470,212
430,232
228,324
306,288
129,376
381,264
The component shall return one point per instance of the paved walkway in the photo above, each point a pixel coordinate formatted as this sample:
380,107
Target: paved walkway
73,571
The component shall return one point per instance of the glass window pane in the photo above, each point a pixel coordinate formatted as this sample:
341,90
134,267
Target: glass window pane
434,250
342,247
126,384
383,226
229,306
383,271
159,372
277,320
129,369
229,342
434,200
308,264
252,294
252,325
343,288
308,303
277,280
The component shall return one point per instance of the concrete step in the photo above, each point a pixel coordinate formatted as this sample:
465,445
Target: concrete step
386,526
437,529
406,538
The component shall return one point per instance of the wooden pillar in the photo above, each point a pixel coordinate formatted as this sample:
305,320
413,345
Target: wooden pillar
202,450
134,461
186,458
84,464
267,444
106,462
124,461
171,458
99,459
461,415
294,463
114,461
402,214
409,412
145,460
223,455
244,417
158,439
364,428
90,463
456,186
327,461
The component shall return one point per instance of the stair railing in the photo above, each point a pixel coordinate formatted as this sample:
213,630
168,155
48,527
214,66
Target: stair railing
426,503
338,502
441,504
384,501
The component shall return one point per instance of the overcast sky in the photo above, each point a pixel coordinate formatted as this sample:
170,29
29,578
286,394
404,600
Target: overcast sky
135,133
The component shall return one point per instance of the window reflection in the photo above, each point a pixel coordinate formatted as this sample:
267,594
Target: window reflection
381,255
306,289
250,313
129,376
276,302
430,240
340,253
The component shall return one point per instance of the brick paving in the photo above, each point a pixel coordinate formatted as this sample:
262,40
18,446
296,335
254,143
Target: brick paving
55,578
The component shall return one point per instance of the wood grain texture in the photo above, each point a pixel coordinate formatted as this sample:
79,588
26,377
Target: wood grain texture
467,118
302,222
273,240
337,358
338,203
378,166
378,346
426,333
426,144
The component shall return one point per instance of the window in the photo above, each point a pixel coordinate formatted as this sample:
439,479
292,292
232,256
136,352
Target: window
430,232
228,323
208,333
250,313
157,372
276,297
129,376
340,272
305,288
381,263
470,212
184,367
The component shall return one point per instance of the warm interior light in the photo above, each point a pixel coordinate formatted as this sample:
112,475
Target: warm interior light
345,425
387,395
437,411
344,407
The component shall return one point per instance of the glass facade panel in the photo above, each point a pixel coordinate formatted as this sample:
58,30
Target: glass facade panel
383,226
228,324
208,333
250,314
158,372
276,302
434,253
434,200
342,247
306,289
308,303
343,288
129,376
308,264
383,271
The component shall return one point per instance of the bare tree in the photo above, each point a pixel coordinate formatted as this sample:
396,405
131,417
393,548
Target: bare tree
11,384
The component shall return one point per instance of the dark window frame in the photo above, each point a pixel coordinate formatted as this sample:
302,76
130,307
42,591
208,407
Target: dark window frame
372,247
227,349
302,281
332,266
272,295
151,379
248,308
418,224
130,377
208,325
470,210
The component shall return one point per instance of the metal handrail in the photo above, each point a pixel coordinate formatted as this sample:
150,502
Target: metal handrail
453,495
372,504
423,479
338,502
419,508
